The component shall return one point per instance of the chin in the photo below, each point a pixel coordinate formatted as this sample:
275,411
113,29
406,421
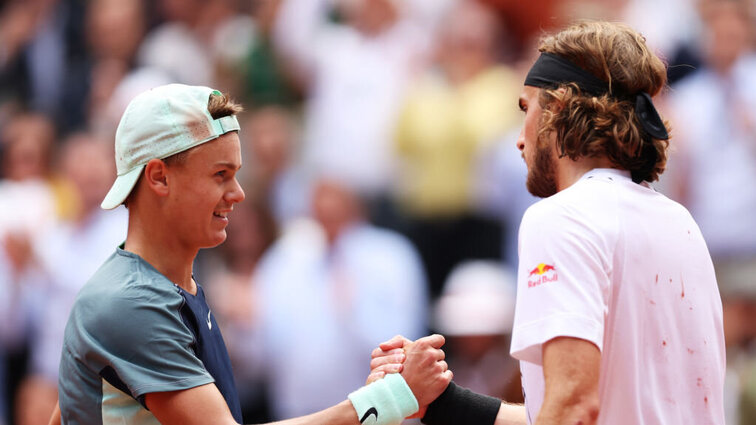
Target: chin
215,240
541,187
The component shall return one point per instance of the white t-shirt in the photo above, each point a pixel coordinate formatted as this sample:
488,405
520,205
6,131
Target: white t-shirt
622,266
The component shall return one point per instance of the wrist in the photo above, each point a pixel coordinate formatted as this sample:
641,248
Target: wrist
386,401
457,405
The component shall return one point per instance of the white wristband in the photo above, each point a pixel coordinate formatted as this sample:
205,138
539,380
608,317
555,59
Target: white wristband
386,401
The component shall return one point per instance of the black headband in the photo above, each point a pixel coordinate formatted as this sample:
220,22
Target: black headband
551,70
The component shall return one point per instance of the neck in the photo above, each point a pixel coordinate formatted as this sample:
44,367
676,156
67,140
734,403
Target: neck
569,171
157,244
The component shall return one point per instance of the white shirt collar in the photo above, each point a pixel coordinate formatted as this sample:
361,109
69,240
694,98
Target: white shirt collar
607,172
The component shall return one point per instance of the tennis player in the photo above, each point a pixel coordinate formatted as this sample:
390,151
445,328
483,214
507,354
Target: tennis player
618,317
141,345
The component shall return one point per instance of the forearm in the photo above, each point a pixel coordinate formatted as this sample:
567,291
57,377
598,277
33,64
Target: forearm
340,414
571,373
511,414
569,411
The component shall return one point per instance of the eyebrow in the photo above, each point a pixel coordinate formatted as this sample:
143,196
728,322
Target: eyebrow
229,165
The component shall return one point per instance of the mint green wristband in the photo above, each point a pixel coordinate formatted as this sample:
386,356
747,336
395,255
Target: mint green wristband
386,401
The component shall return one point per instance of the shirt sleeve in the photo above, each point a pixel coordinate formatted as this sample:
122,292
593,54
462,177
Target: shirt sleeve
145,346
562,281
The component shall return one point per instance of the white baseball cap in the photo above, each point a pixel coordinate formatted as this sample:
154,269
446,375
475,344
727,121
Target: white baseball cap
158,123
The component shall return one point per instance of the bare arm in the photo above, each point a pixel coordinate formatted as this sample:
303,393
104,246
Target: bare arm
205,404
424,370
511,414
388,358
55,418
571,372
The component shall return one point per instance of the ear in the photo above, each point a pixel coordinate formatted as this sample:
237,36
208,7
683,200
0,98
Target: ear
155,177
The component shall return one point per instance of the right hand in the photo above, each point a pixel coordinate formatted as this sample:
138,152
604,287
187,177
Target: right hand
423,368
388,358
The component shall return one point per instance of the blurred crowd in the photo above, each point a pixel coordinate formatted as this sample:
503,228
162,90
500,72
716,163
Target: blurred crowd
384,188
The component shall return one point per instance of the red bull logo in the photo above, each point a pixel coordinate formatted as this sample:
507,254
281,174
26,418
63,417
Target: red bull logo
538,276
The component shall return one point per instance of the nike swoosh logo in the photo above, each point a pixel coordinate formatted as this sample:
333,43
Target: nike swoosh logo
209,323
371,411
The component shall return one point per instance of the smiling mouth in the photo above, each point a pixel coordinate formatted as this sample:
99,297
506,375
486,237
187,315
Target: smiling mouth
220,214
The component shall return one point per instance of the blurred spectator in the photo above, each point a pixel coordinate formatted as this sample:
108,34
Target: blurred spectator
64,258
714,111
673,39
42,59
475,313
526,20
175,46
199,42
115,29
739,301
329,290
355,75
233,293
461,106
262,79
273,173
500,190
715,114
26,143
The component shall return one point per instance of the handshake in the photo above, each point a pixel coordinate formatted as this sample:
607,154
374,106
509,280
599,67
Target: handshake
421,363
412,379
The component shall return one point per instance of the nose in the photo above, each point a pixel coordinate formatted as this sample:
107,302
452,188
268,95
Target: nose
236,194
521,140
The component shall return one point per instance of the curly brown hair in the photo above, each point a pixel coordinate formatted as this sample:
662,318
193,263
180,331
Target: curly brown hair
593,126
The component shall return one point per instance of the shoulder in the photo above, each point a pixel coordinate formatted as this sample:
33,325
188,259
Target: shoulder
126,290
589,204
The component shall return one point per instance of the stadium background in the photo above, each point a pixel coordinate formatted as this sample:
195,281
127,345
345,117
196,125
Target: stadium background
384,189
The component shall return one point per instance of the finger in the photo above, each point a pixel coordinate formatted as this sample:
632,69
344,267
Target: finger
440,354
380,353
380,361
435,341
444,365
389,368
395,342
374,376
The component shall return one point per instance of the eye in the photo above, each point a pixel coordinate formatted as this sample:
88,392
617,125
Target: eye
221,173
523,107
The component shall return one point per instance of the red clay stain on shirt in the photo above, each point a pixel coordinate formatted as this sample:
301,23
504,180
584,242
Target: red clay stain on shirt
682,284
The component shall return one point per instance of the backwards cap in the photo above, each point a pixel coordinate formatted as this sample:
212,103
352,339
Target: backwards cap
159,123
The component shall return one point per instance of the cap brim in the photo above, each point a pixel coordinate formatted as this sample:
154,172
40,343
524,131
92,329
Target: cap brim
121,189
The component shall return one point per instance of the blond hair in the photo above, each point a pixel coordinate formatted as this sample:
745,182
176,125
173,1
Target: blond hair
606,125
